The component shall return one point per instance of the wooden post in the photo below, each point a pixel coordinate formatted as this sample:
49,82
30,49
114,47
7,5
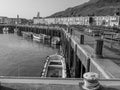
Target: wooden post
81,39
75,60
111,42
0,86
81,71
88,64
99,48
45,29
71,31
69,51
66,45
51,36
63,42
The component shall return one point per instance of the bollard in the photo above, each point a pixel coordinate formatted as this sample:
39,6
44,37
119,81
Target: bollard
91,81
99,48
81,39
69,51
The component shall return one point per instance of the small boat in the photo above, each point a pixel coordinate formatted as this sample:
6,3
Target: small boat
116,36
15,30
27,34
46,37
55,41
5,30
38,36
41,37
54,67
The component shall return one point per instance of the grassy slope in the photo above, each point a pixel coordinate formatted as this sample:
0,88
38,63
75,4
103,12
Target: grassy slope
96,7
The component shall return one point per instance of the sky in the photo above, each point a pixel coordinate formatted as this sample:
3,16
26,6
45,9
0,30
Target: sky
29,8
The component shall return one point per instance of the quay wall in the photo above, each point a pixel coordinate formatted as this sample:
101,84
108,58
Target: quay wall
84,56
88,60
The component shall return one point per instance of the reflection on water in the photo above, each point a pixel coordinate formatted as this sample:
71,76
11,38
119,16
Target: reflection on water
21,56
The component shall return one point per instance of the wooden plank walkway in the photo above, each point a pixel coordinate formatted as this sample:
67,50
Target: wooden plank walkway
110,62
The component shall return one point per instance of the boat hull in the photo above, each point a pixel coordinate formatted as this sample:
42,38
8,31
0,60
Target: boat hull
54,67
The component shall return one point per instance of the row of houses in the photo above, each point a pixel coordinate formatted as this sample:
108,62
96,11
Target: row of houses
6,20
87,20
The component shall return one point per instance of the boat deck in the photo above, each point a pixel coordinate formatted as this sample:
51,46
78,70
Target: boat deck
54,67
54,71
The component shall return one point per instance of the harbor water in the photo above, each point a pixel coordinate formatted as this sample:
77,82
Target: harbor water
20,56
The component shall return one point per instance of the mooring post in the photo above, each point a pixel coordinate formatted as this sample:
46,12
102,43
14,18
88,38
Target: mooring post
99,48
46,31
75,59
112,42
66,49
27,29
62,38
0,86
88,65
81,39
69,51
67,57
71,31
37,30
81,71
63,42
51,36
91,81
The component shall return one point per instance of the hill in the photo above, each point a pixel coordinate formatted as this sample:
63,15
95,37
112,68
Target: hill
93,7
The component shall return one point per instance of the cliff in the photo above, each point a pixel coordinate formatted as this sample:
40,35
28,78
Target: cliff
93,7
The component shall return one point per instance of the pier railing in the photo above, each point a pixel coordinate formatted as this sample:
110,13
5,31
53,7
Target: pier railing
35,83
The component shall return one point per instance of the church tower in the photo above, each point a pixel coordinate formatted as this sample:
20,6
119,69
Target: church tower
38,15
17,22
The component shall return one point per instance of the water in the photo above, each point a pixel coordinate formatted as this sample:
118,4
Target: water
22,57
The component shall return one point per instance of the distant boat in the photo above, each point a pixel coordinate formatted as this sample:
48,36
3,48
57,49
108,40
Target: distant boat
27,34
5,30
54,67
117,36
37,36
15,30
55,41
41,36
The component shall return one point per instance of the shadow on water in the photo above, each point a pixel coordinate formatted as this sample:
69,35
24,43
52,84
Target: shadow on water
6,88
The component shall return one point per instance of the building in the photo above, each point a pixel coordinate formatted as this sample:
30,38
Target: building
6,20
3,19
37,19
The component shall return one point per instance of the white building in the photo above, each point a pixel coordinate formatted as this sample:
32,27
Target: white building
37,19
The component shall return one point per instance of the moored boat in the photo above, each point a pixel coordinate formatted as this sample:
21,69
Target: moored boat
55,41
15,30
5,30
27,34
37,36
54,67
